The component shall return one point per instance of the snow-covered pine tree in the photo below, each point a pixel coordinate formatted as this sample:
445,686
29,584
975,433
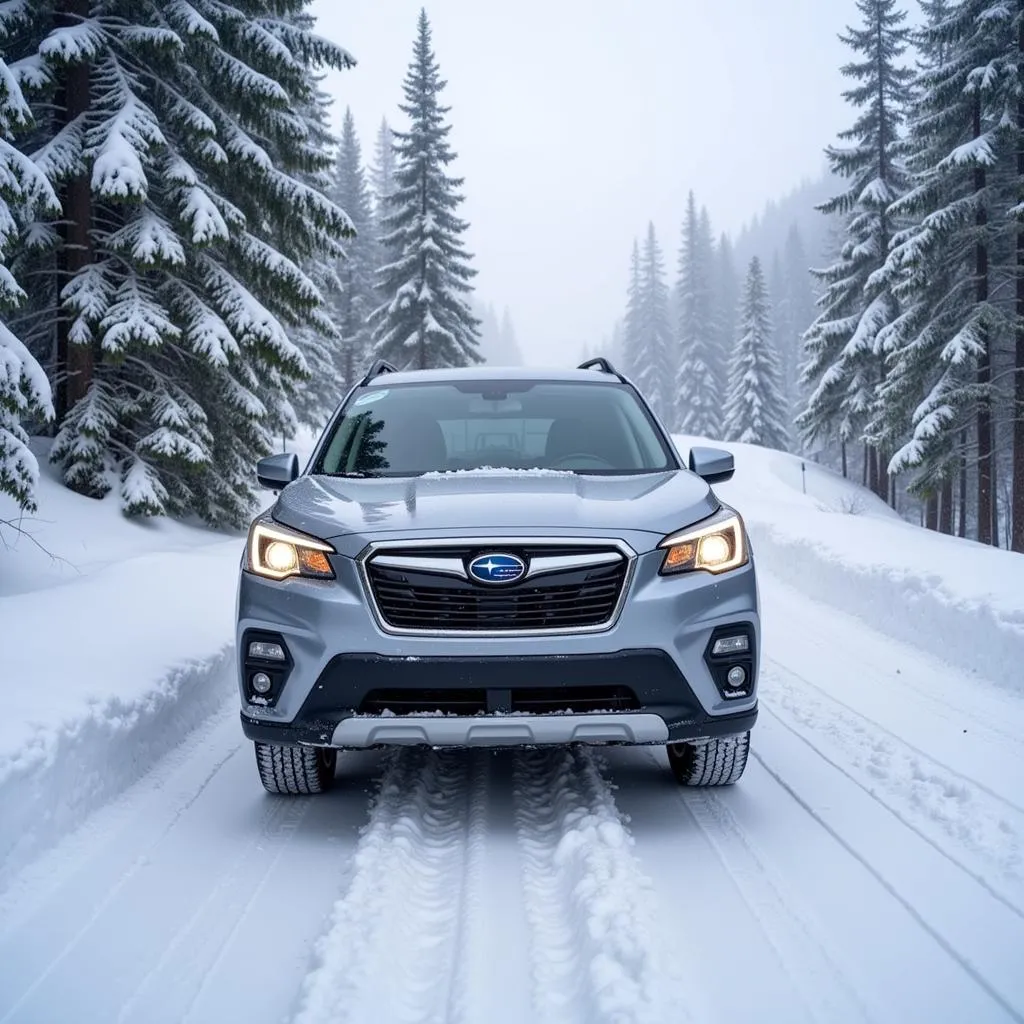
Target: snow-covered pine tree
318,337
382,170
844,362
425,320
513,355
490,332
178,141
725,295
962,150
755,409
796,277
25,194
382,185
357,271
631,323
699,381
652,358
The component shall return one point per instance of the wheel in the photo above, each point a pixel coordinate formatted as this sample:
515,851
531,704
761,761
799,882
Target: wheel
717,762
295,770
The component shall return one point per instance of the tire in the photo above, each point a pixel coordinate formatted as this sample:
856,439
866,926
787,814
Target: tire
716,762
295,770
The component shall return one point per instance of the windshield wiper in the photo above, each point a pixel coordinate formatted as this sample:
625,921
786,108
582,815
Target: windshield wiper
353,475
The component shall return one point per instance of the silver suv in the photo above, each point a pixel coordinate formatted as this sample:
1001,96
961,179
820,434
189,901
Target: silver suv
480,557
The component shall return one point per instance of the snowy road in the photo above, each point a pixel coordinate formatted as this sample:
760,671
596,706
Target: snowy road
868,868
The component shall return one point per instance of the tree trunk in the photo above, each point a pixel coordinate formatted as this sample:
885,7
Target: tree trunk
986,488
995,496
961,525
74,362
1017,502
864,468
931,512
842,448
871,455
882,490
946,507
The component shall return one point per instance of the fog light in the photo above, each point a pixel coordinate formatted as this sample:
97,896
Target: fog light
737,676
731,645
269,652
262,683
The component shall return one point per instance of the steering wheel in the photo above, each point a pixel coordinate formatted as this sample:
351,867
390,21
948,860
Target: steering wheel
596,462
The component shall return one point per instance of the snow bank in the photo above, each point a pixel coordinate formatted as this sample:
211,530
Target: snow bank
112,647
841,544
72,537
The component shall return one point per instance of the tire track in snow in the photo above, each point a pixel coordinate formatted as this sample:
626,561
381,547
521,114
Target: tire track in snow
964,961
588,902
203,946
404,909
777,670
125,878
824,987
974,828
472,932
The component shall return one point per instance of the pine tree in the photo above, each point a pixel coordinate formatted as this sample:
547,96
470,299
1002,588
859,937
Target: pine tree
699,375
653,340
800,311
318,337
382,185
24,389
426,320
725,292
357,270
382,172
755,409
632,324
180,141
844,359
509,342
963,151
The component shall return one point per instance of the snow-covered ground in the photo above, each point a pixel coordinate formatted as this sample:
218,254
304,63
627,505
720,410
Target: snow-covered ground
868,867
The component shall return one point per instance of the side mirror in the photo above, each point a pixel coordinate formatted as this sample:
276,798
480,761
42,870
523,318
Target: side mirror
277,471
712,464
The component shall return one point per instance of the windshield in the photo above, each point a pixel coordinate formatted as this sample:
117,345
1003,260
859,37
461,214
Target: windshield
412,429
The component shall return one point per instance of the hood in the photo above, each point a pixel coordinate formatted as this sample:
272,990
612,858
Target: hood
474,502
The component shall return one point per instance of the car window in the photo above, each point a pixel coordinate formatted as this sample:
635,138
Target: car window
410,429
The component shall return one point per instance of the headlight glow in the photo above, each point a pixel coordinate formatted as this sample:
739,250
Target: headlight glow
276,553
716,545
281,557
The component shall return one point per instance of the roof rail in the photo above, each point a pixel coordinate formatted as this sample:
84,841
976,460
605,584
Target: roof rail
600,363
379,366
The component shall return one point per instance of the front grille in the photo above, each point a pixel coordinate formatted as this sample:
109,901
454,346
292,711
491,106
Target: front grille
536,701
569,599
597,698
411,702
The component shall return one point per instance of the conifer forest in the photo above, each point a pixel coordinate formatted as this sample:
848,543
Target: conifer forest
195,262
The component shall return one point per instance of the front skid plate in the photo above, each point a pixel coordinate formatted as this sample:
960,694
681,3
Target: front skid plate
500,730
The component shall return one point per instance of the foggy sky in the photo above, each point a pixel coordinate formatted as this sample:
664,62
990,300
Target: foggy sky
577,121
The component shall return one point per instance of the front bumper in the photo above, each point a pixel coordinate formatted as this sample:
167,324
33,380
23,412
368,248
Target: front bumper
502,696
342,667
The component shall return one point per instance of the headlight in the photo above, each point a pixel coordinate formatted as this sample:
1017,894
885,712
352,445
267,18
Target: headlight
277,553
716,545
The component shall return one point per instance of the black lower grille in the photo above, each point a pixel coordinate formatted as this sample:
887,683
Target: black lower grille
568,599
409,702
536,701
599,698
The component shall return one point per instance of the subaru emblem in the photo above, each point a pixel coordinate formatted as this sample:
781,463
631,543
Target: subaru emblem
497,568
